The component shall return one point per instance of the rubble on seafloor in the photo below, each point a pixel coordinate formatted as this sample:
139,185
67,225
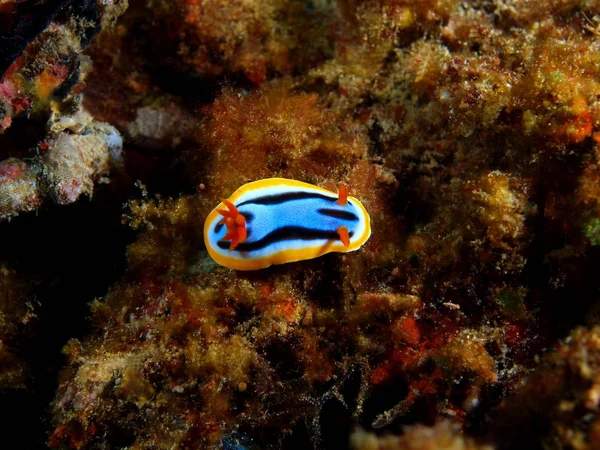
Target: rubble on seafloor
467,129
43,71
76,153
444,435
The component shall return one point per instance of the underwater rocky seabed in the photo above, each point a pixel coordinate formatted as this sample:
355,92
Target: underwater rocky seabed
468,129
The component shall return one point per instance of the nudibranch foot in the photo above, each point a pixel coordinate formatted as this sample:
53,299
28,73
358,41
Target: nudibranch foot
277,221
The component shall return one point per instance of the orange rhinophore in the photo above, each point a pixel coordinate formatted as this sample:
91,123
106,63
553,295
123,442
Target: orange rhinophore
342,196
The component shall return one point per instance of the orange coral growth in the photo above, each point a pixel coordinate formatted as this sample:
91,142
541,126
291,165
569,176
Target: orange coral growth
342,196
503,206
49,80
407,330
466,353
582,122
375,186
251,37
462,126
274,132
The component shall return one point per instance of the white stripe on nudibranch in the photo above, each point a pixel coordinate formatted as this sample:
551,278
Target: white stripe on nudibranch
285,221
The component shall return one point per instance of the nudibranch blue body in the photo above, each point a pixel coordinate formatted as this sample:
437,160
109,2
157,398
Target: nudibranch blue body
277,221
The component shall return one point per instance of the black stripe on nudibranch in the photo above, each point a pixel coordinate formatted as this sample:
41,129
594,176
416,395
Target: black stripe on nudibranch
247,215
276,199
338,214
284,234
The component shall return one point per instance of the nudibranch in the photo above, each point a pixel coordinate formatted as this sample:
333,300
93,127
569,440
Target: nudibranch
277,221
